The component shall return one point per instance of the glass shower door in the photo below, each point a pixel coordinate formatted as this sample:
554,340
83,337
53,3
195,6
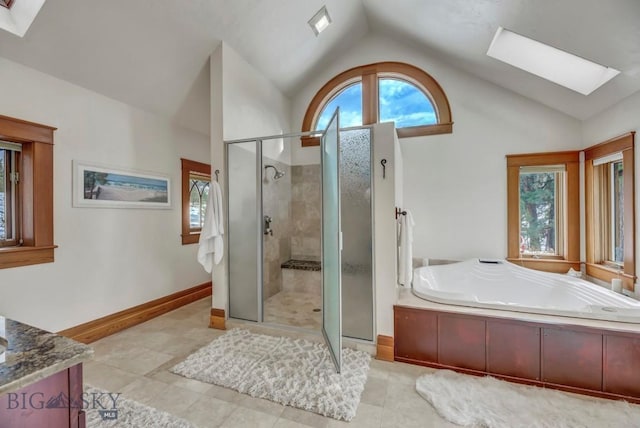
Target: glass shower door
331,241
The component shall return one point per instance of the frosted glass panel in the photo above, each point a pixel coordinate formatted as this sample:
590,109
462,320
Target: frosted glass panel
244,231
357,265
331,265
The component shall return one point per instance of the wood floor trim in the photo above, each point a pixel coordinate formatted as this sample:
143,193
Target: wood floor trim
384,348
110,324
217,319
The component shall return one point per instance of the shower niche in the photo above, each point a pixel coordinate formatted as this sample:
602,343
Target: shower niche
282,199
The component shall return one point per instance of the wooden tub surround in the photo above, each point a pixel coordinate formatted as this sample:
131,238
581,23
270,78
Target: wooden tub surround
574,358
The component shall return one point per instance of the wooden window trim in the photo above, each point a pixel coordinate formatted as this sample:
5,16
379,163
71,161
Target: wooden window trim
369,75
189,166
596,268
571,258
36,192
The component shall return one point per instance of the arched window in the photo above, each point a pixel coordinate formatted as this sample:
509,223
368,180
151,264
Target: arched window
349,99
382,92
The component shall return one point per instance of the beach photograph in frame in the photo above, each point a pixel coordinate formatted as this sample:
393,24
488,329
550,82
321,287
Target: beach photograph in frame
101,186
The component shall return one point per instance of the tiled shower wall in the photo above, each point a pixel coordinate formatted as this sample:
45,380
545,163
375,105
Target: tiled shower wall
276,196
305,212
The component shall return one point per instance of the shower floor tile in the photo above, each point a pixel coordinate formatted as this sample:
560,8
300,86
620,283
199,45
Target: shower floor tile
294,309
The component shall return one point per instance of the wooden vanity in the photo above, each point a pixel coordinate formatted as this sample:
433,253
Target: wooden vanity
40,378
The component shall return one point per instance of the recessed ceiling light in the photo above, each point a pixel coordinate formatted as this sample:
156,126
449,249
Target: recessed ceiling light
558,66
320,21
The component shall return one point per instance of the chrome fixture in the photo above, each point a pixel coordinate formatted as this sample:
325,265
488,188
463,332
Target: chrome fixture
267,225
278,175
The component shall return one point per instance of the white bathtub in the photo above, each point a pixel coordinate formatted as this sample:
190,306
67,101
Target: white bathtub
508,287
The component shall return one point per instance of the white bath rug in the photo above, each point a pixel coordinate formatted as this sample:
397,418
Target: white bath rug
293,372
489,402
106,410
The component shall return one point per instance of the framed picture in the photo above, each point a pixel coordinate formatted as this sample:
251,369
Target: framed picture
101,186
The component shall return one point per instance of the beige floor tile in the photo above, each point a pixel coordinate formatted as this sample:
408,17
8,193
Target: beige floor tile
294,309
192,384
105,377
264,406
225,394
286,423
208,412
174,400
303,417
243,418
375,391
368,416
144,390
136,360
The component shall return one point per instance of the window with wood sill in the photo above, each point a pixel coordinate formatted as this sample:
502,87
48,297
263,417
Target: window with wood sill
609,210
26,193
543,210
381,92
196,181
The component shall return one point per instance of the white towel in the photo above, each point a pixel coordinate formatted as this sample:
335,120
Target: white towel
405,251
211,245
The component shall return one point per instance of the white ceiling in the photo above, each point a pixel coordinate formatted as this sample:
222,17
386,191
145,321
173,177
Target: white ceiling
153,53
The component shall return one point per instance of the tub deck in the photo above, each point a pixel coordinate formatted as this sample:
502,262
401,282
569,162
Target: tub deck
592,357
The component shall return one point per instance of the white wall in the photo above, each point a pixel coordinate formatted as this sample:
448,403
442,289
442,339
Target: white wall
455,185
108,259
244,104
617,120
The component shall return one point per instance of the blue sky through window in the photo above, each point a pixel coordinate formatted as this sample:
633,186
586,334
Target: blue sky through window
350,102
405,104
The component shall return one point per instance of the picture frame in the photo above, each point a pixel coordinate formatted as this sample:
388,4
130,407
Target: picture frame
102,186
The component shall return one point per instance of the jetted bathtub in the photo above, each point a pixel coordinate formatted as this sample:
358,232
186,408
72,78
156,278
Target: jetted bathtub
498,284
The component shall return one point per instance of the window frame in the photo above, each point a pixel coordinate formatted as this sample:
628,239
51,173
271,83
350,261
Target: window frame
12,194
571,216
36,193
369,75
189,235
596,266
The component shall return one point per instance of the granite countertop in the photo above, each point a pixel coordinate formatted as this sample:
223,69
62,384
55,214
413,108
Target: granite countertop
33,354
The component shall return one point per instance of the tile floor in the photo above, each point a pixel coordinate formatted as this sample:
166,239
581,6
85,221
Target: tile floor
295,309
136,363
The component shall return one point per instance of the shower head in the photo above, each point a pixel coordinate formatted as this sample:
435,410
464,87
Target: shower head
278,175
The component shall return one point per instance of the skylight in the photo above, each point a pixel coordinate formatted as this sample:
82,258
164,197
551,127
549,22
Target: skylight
555,65
17,16
320,21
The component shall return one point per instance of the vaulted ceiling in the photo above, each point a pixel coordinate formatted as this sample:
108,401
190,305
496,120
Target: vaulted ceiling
153,53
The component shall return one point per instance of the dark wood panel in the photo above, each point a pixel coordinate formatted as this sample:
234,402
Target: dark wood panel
622,365
461,342
416,334
27,407
513,349
572,358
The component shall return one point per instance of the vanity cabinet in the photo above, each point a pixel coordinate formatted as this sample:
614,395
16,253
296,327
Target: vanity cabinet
45,403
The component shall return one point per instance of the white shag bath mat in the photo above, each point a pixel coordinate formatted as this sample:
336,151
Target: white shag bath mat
106,411
293,372
489,402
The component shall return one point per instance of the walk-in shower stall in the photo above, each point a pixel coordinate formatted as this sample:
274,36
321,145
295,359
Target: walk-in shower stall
300,231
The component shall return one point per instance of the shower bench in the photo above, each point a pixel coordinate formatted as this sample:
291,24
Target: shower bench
302,276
